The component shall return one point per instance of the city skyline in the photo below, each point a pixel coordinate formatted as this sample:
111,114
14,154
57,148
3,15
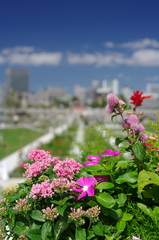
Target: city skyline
63,44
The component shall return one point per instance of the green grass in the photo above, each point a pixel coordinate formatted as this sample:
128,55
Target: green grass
141,224
62,144
14,139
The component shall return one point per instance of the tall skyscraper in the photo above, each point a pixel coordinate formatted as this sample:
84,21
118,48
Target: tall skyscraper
17,80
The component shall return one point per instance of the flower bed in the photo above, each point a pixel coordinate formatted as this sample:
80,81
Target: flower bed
104,197
59,146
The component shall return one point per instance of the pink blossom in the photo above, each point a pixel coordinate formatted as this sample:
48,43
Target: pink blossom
143,137
36,168
67,168
43,189
93,157
113,101
108,152
90,163
38,154
131,119
101,178
50,213
136,238
140,128
62,185
87,184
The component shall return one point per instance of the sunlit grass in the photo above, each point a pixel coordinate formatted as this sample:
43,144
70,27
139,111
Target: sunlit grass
14,139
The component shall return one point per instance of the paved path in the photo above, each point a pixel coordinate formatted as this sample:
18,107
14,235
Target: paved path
78,140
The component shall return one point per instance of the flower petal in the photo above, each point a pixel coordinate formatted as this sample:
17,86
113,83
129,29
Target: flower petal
83,194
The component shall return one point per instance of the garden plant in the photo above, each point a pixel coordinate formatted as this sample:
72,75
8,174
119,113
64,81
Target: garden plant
105,196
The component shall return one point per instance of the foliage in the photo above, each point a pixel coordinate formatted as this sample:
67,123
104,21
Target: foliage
106,197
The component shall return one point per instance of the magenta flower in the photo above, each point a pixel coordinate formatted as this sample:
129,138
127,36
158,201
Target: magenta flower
101,178
108,152
87,184
136,238
93,157
90,163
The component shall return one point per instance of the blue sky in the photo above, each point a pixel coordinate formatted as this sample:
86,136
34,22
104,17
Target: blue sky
64,43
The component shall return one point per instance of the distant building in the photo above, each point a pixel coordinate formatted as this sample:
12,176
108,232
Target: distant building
152,88
45,97
17,80
109,86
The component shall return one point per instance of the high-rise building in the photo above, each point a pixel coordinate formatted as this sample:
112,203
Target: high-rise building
17,80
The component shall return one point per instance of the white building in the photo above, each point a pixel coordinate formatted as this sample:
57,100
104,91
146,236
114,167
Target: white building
109,86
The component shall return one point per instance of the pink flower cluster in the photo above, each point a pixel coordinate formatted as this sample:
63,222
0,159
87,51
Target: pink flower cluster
41,161
22,205
38,154
43,189
114,103
62,185
132,122
67,168
50,213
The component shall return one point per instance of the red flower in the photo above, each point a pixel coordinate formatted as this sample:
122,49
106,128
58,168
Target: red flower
137,98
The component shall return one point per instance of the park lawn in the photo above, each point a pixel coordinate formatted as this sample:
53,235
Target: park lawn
61,145
13,139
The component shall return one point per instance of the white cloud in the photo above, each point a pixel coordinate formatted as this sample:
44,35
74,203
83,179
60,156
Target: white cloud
109,44
28,56
98,59
145,57
143,43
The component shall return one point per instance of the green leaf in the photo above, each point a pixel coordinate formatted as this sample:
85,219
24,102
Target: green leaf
105,185
119,140
129,177
122,197
155,214
80,234
98,229
34,234
145,178
139,151
46,228
122,164
19,228
60,226
145,209
106,200
96,167
61,209
120,225
126,217
90,234
37,215
116,214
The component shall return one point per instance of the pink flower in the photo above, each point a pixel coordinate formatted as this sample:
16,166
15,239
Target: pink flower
67,168
93,157
62,185
136,238
87,184
131,119
143,137
90,163
38,154
101,178
108,152
43,189
113,101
